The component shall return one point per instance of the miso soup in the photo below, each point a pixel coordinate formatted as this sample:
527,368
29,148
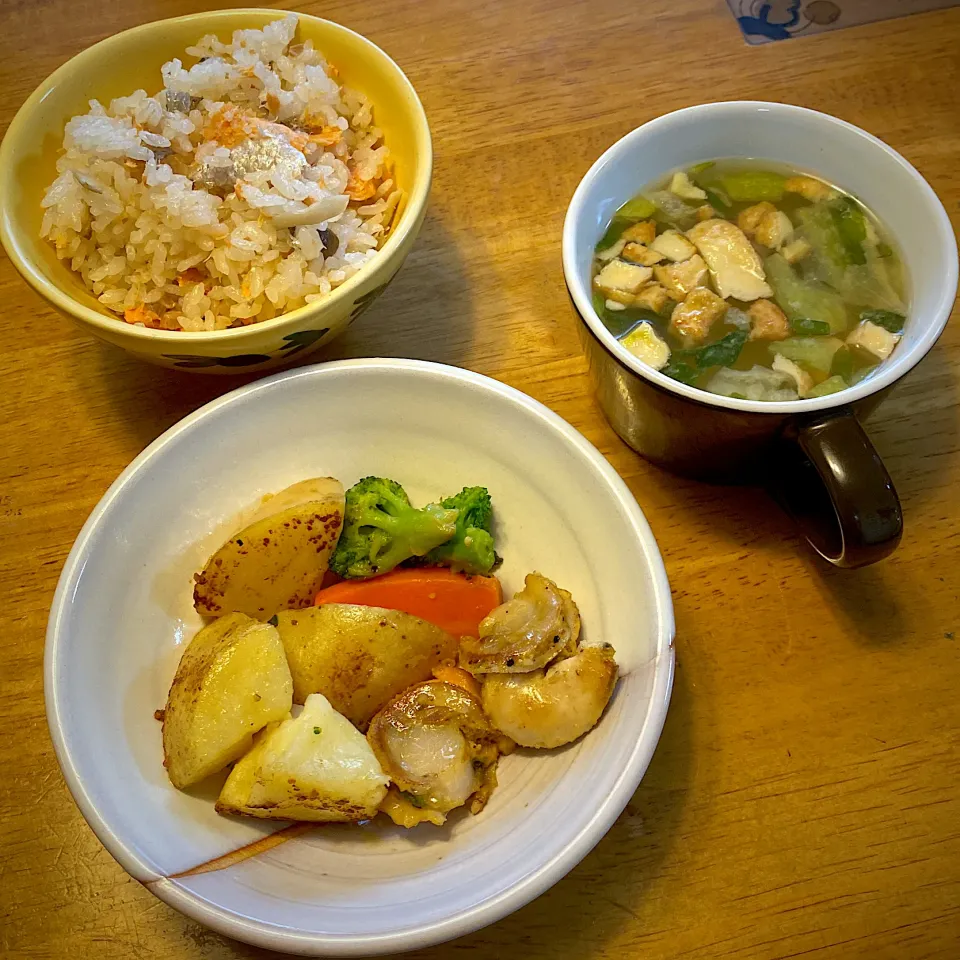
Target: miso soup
751,280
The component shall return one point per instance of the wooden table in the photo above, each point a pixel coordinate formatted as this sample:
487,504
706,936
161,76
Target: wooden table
803,801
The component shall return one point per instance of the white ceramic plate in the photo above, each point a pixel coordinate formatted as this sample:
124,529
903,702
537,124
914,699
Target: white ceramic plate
123,611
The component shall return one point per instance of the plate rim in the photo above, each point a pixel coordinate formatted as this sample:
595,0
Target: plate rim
271,936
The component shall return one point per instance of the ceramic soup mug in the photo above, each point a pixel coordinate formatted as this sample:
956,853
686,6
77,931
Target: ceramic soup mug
812,453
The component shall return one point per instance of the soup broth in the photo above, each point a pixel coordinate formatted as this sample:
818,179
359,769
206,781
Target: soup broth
751,280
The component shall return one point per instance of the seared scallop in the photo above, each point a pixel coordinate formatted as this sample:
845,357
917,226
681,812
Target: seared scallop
437,746
538,625
553,706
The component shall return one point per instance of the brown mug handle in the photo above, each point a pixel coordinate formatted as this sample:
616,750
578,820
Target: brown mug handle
829,478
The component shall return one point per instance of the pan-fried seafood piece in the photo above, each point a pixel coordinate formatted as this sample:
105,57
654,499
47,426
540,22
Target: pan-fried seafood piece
553,706
437,746
540,687
540,623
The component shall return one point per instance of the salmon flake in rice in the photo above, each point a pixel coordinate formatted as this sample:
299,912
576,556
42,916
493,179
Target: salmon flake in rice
229,127
231,170
143,315
360,189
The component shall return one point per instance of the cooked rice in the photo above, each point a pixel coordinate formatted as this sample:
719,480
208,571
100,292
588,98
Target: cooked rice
251,184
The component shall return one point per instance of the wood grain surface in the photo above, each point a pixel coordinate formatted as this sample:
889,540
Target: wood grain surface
803,801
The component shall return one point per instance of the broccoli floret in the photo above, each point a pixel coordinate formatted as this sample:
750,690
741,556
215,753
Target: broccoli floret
470,549
381,529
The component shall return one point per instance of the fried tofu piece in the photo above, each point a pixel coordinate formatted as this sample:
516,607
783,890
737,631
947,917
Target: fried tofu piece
735,266
644,232
809,188
638,253
621,297
692,319
611,252
674,246
774,230
647,345
706,212
872,338
796,250
680,278
748,220
683,187
653,297
800,376
620,277
767,321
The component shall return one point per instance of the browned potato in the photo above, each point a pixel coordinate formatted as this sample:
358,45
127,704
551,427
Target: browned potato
359,657
232,681
278,560
315,767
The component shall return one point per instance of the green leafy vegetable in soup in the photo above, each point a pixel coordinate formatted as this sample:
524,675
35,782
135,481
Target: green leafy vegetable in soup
639,208
751,280
807,327
832,384
885,318
814,354
805,300
724,352
752,186
851,226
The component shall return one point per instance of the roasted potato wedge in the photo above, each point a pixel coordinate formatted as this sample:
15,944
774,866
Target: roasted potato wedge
277,561
315,767
232,681
359,657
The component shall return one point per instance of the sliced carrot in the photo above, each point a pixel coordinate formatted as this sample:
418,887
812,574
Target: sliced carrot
320,131
228,126
327,136
459,677
453,601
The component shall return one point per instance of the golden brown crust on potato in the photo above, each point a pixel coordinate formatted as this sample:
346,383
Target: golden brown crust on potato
278,560
359,657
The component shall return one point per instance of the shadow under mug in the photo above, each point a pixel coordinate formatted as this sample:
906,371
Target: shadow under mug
820,467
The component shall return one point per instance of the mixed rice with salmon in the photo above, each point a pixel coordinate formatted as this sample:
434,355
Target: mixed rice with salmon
251,184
